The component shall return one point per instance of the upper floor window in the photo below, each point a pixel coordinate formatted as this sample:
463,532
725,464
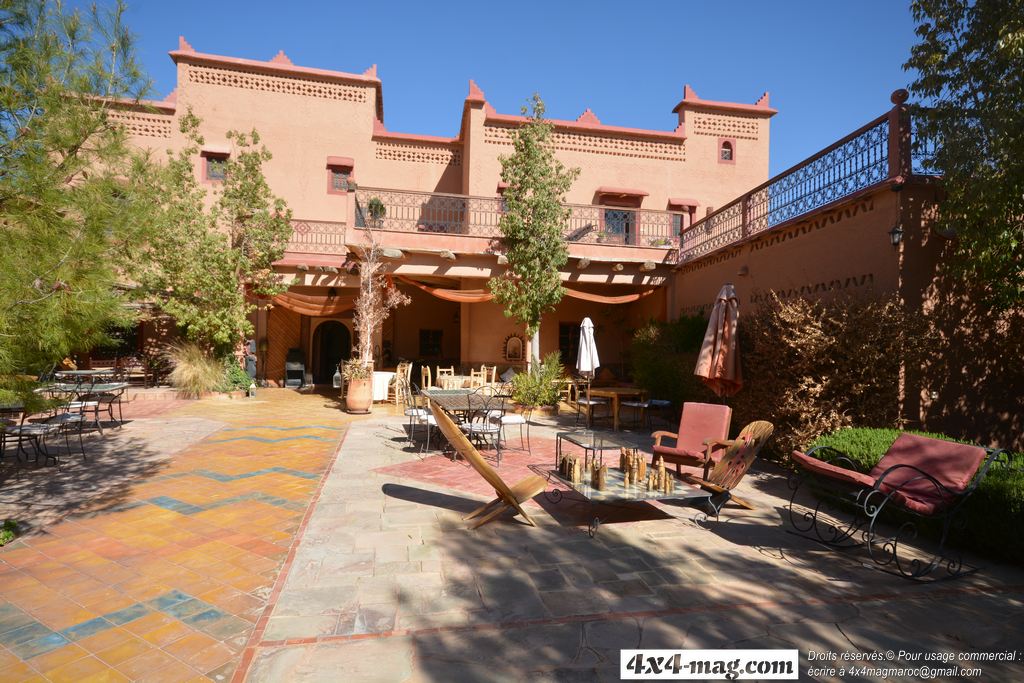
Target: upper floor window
619,226
215,166
726,151
339,175
340,178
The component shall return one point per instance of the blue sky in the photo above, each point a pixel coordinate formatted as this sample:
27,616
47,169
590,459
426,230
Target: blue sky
829,66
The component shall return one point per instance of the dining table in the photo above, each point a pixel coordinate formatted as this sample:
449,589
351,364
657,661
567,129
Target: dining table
615,395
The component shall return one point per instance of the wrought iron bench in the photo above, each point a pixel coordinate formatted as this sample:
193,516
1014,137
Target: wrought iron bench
918,478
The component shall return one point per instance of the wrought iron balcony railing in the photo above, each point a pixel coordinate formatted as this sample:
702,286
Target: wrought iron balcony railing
879,151
452,214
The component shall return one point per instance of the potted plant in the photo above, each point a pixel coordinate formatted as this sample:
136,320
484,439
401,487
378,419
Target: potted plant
377,298
359,386
539,388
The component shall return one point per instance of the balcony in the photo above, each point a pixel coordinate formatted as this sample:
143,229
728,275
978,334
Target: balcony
317,237
884,150
452,214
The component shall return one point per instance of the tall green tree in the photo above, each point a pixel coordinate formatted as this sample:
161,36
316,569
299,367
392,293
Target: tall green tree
73,194
207,261
970,85
533,224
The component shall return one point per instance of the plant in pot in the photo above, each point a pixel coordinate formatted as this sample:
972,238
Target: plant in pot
540,386
377,298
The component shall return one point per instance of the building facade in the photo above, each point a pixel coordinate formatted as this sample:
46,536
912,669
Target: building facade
636,192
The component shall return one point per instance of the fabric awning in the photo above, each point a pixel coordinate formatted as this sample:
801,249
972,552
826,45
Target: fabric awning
317,305
479,296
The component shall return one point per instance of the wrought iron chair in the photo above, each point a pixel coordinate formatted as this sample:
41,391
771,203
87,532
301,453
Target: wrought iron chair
485,408
700,424
583,403
721,477
918,478
417,414
508,497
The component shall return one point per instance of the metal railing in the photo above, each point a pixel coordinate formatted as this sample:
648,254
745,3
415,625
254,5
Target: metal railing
453,214
878,151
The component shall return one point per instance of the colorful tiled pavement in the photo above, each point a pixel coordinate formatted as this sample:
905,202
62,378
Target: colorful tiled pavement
165,580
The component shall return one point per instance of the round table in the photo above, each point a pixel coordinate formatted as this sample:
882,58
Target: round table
381,381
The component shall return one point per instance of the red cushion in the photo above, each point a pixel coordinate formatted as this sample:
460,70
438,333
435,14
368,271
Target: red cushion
832,471
951,464
671,454
700,422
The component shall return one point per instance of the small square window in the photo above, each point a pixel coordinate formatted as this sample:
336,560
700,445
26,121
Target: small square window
339,179
430,343
216,167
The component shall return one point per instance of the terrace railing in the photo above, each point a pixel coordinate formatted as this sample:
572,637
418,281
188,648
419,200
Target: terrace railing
453,214
317,237
878,151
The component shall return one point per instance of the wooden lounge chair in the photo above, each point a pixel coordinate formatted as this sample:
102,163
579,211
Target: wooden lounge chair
721,477
917,477
507,497
703,429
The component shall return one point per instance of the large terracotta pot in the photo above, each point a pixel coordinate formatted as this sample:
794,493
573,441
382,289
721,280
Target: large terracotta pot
359,396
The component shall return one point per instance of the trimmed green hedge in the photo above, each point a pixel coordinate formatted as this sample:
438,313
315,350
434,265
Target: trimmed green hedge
994,513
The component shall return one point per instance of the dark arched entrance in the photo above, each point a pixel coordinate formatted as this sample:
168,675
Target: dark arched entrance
332,344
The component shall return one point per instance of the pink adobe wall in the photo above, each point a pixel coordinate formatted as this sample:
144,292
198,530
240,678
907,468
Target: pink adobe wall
844,250
305,115
424,312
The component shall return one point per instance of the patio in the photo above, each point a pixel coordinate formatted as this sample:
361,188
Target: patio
240,541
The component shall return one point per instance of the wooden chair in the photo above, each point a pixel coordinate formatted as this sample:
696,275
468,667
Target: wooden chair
490,373
721,477
425,380
507,497
476,378
446,372
402,373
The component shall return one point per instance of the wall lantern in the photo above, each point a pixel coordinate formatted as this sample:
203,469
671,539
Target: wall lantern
896,235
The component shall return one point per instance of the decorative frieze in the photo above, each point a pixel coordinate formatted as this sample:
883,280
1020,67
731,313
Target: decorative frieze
250,80
720,125
419,154
598,144
143,124
816,289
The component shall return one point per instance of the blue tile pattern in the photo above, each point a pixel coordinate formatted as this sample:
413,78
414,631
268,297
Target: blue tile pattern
26,637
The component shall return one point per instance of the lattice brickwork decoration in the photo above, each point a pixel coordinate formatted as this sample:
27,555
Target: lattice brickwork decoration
419,154
598,144
744,127
143,124
248,80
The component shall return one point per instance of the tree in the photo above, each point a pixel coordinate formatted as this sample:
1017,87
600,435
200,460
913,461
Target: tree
206,264
970,83
377,297
532,224
74,197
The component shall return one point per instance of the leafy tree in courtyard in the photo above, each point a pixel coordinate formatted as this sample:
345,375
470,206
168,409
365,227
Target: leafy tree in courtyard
970,81
206,264
532,224
74,198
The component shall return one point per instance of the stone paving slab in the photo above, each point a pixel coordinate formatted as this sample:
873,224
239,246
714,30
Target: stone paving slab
389,584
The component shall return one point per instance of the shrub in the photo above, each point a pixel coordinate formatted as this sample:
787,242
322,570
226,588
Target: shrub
993,513
812,367
8,531
235,378
193,371
540,386
664,356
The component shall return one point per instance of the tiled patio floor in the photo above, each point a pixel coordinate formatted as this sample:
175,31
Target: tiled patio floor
153,560
161,559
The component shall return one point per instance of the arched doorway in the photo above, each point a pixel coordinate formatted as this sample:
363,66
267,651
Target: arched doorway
332,343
